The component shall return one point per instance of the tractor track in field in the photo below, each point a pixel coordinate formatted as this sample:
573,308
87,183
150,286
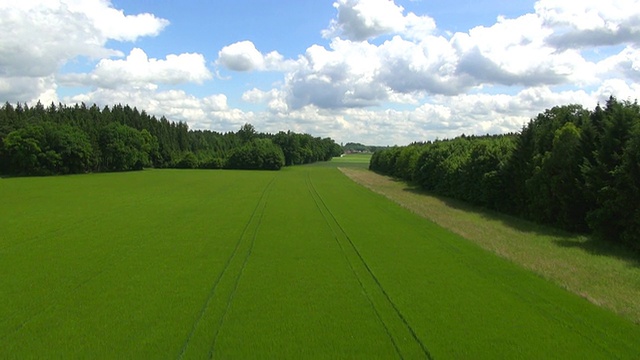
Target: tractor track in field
560,315
250,232
367,295
385,302
258,222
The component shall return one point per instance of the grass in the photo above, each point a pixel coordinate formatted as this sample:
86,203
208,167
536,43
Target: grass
349,160
605,274
300,263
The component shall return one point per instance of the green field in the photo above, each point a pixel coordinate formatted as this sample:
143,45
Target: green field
299,263
354,160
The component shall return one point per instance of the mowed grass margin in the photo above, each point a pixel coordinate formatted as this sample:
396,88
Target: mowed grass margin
606,275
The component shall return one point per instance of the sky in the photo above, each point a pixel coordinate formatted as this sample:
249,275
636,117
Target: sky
378,72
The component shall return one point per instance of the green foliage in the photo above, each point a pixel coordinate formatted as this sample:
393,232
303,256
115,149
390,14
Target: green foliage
304,148
557,180
258,154
569,167
22,149
122,138
351,147
48,148
627,180
468,168
188,161
247,133
611,175
212,163
122,148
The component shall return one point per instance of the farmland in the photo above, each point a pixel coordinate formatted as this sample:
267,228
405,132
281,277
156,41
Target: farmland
240,264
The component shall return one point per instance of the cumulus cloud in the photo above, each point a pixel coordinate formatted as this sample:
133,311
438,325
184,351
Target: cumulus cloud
363,19
240,56
273,98
243,56
415,62
209,112
360,20
441,116
625,64
114,24
591,22
428,66
38,40
622,89
343,76
356,74
30,89
39,36
384,76
450,116
138,70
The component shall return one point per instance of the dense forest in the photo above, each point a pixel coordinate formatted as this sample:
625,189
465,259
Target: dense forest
570,167
76,139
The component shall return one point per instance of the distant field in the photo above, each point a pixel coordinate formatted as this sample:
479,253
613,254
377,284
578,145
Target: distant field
357,160
299,263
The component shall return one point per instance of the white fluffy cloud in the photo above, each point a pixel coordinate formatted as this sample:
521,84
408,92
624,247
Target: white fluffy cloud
591,22
381,76
364,19
209,112
341,77
137,70
30,89
274,99
360,20
442,117
243,56
39,36
625,64
512,53
113,23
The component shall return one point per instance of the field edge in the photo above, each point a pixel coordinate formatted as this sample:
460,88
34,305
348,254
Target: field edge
607,281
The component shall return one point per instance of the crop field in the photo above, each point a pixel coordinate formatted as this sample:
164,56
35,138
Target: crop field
352,160
298,263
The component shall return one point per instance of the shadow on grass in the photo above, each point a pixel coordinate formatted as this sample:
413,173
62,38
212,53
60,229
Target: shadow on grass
561,238
603,248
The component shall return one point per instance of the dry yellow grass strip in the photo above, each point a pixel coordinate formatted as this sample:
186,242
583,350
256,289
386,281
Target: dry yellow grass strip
604,274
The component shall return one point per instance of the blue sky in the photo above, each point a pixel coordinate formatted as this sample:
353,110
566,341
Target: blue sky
373,71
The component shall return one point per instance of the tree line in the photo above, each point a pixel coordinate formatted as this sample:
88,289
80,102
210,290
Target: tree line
569,167
352,147
63,139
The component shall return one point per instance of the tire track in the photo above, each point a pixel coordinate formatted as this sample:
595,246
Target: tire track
314,196
402,335
237,279
248,235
